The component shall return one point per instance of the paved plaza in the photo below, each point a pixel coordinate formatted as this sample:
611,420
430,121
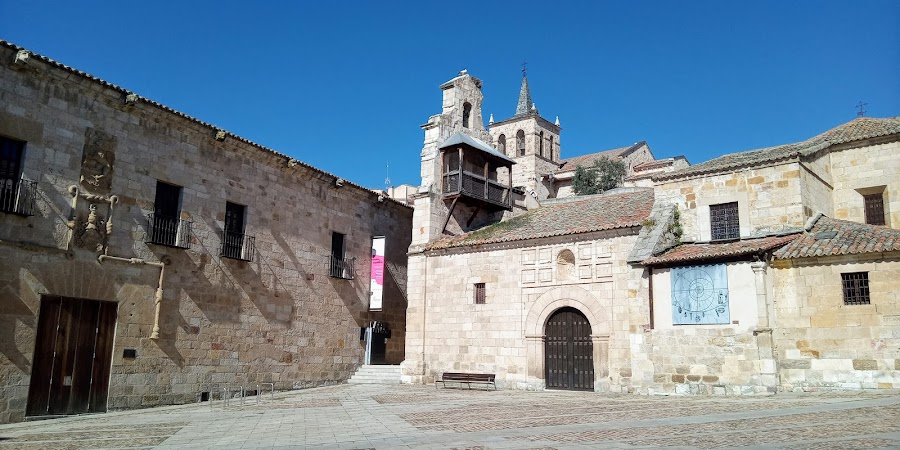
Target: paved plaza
422,417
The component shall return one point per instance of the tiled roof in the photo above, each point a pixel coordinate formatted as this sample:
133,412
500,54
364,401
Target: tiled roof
656,164
587,160
462,138
829,237
710,251
580,215
857,129
169,110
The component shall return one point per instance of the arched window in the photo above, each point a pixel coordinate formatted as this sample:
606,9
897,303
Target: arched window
541,145
565,265
467,111
520,142
551,150
501,143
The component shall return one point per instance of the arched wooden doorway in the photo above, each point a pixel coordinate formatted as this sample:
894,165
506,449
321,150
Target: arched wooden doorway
568,351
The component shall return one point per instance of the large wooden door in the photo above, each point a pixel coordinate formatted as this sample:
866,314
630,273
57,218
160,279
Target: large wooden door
568,351
72,356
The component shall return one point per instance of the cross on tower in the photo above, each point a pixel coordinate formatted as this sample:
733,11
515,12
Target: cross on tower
861,111
524,67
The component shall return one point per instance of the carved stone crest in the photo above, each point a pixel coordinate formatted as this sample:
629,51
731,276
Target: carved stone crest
97,160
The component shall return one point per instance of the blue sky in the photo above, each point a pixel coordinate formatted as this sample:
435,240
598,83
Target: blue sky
344,86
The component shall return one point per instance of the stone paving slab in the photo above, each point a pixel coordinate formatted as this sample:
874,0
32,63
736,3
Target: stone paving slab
418,417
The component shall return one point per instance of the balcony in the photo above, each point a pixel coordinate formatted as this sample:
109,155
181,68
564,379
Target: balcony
342,268
17,196
476,187
238,246
167,231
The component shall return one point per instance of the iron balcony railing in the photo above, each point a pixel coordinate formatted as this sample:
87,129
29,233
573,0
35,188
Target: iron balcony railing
476,186
168,231
238,246
342,268
17,196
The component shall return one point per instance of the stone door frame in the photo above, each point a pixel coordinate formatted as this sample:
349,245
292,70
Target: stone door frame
535,334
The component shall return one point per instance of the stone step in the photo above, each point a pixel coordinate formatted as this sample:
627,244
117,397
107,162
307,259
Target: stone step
376,374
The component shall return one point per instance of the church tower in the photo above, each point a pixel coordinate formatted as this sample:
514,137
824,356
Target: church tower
466,183
532,142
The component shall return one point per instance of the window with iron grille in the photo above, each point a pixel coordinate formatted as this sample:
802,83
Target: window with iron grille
723,221
16,194
874,209
165,226
856,288
479,293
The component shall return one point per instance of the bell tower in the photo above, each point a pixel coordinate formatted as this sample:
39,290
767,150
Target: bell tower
532,142
465,181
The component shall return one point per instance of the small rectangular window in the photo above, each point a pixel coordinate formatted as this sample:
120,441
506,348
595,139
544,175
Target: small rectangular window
874,204
856,288
723,221
479,293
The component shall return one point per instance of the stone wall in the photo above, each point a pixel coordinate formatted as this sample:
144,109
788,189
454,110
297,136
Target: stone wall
823,343
866,170
769,198
726,359
278,318
449,332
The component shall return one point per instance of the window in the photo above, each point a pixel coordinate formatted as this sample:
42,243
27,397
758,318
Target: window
723,221
16,195
479,293
236,244
520,142
165,225
467,112
340,266
551,150
874,204
856,288
501,143
541,145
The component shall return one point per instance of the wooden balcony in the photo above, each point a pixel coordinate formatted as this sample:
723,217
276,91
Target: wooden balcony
476,187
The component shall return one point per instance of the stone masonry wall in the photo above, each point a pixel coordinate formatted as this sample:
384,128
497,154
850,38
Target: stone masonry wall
768,198
278,318
864,170
823,343
449,332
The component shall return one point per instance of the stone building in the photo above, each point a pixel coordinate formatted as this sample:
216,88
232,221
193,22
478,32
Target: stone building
149,258
791,252
695,279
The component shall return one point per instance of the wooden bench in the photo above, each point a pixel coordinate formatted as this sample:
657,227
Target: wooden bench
466,378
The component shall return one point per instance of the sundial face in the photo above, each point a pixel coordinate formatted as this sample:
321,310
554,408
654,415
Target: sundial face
700,295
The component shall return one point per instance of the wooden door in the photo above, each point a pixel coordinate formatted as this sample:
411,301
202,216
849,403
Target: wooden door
72,356
568,351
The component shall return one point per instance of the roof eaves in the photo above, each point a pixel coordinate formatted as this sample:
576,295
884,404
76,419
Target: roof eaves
107,84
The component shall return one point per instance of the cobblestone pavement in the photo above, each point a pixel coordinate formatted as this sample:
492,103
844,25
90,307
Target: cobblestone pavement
420,417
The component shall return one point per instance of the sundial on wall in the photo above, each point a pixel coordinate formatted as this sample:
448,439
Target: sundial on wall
700,295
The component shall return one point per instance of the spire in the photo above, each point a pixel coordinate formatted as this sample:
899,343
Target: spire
525,104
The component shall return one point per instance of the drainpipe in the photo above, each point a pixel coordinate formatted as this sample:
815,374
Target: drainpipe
159,289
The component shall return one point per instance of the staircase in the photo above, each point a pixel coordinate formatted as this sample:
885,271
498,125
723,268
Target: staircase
376,375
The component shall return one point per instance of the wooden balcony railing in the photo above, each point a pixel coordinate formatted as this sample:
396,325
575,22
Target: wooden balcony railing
476,186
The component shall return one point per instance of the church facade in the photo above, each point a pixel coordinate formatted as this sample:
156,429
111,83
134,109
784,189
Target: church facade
690,279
